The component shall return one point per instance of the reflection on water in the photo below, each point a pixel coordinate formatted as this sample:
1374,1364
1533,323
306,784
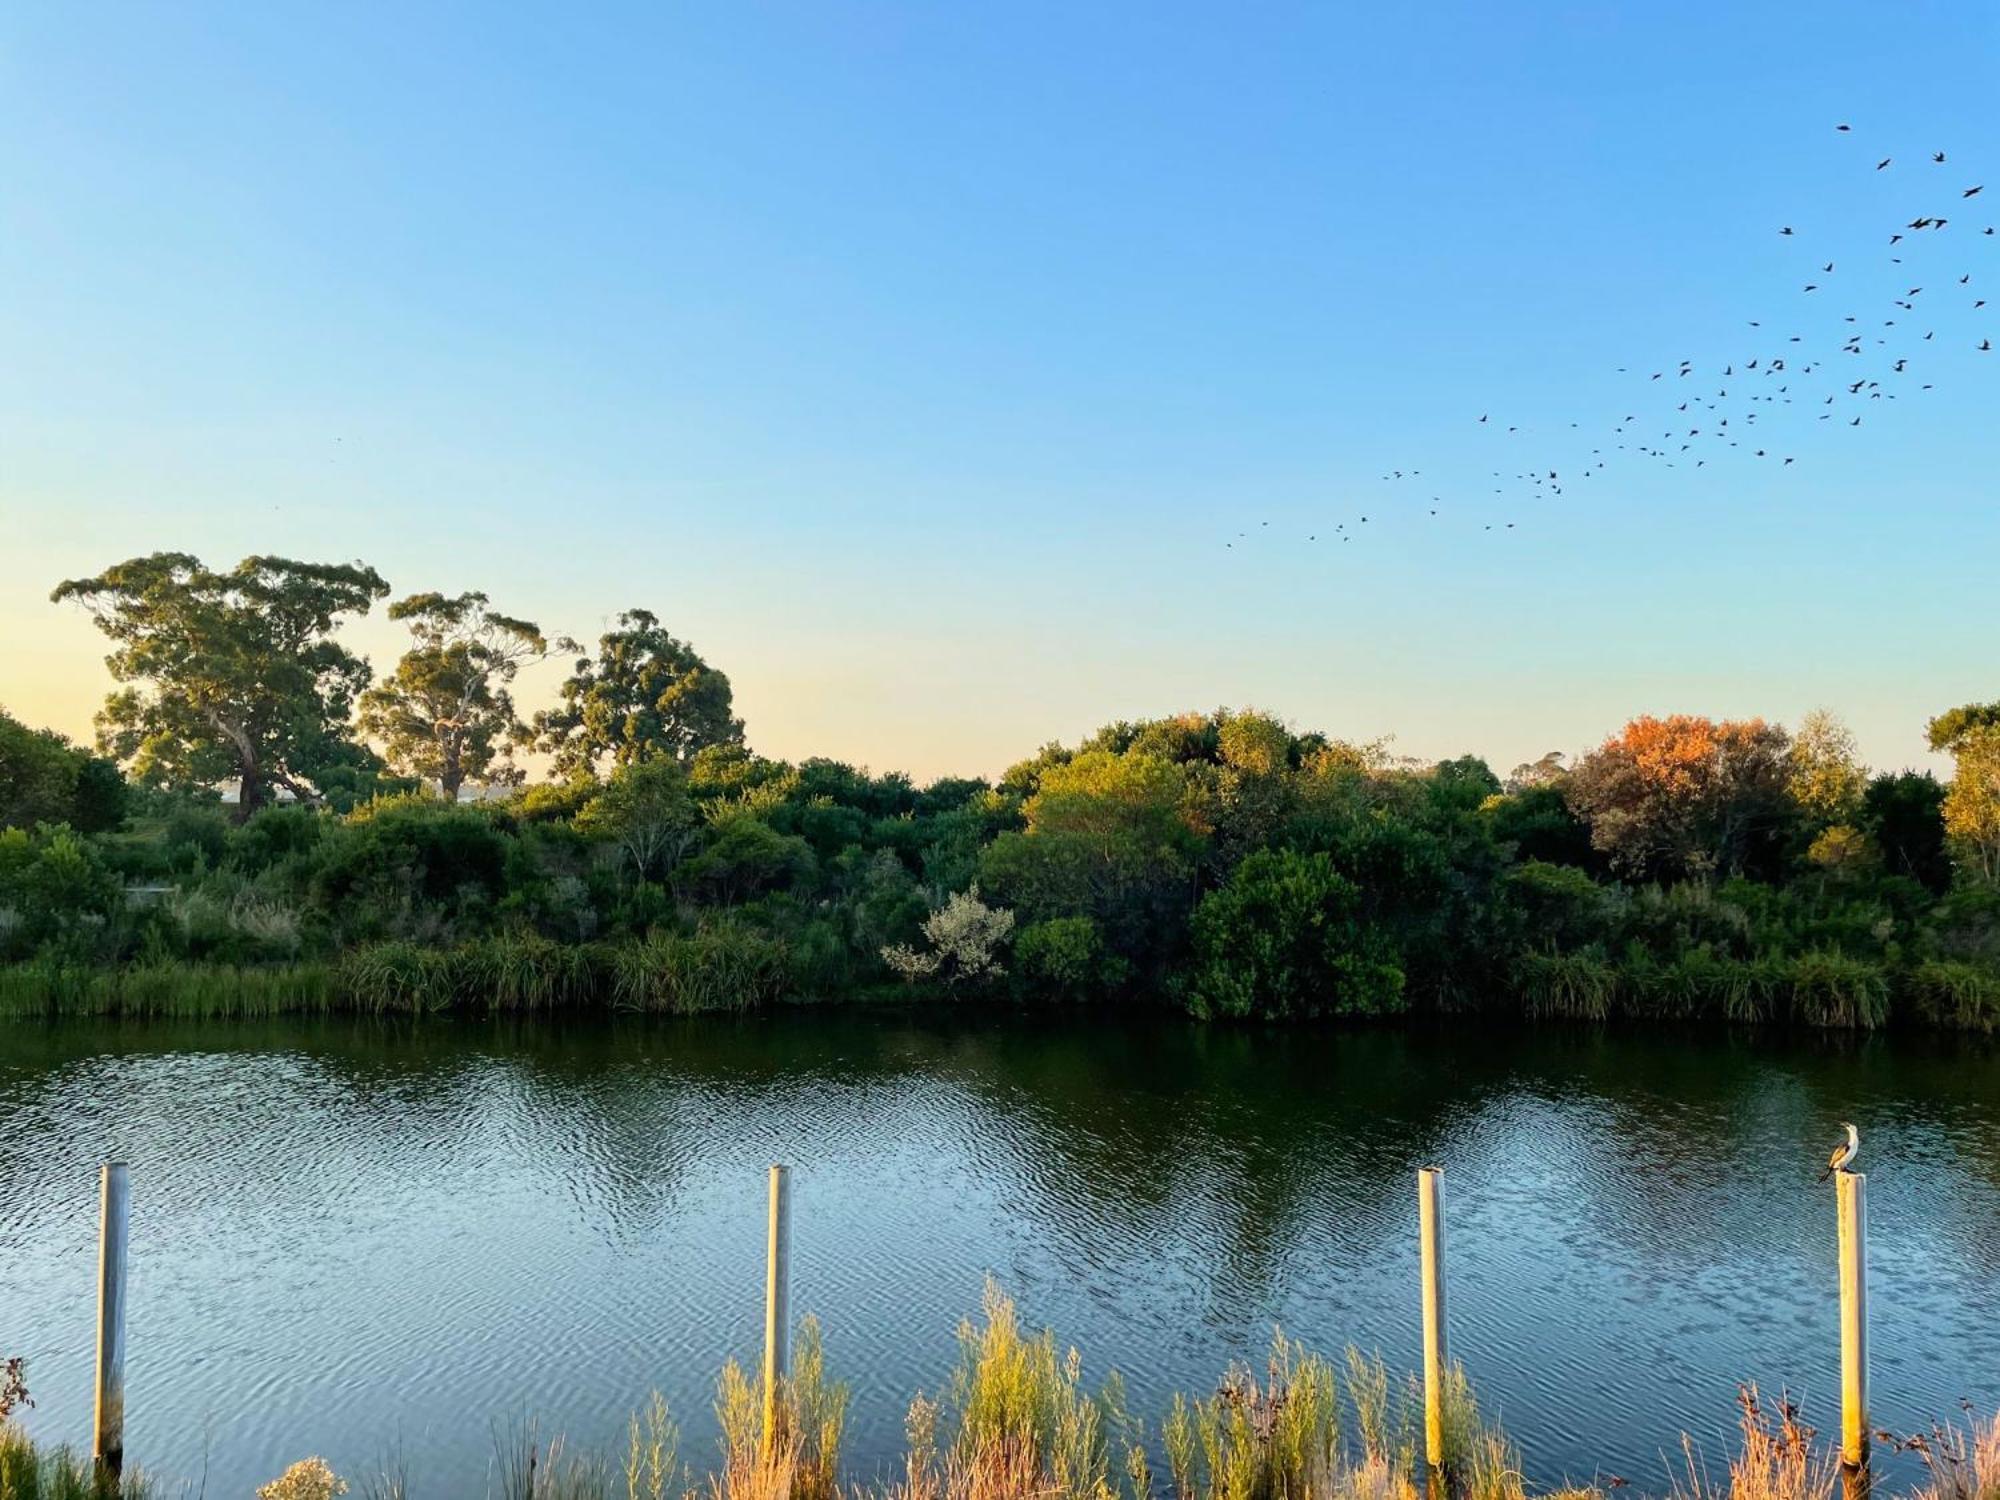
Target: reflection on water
357,1238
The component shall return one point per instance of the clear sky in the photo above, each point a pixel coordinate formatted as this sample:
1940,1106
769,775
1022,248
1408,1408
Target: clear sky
917,362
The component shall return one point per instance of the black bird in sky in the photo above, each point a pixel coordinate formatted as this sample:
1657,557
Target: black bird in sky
1938,157
1973,192
1883,163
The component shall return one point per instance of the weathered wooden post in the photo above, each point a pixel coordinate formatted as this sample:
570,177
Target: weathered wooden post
1851,1194
107,1441
1430,1226
777,1298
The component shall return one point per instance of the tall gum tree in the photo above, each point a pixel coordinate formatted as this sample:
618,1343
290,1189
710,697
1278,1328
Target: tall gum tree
646,696
445,714
229,674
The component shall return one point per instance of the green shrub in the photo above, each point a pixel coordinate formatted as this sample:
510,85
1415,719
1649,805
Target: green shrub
1064,958
1284,937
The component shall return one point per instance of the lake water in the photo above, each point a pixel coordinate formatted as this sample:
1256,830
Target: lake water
355,1238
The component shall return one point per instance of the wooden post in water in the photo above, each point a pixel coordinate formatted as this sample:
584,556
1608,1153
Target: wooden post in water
107,1440
1851,1194
1430,1227
777,1298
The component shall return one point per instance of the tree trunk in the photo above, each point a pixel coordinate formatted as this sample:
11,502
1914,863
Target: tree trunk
250,789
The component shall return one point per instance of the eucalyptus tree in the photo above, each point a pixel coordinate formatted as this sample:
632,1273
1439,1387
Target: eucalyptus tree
645,696
446,714
230,674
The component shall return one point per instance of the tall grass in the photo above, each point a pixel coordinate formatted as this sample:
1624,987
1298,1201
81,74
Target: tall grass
1778,1459
1962,1465
1579,986
721,966
1955,994
167,987
1018,1424
31,1473
798,1458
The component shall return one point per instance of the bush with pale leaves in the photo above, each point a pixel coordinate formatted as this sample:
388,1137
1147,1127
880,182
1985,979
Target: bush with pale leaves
308,1479
965,936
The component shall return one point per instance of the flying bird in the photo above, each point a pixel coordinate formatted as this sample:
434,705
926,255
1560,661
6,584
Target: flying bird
1973,192
1843,1154
1938,157
1883,162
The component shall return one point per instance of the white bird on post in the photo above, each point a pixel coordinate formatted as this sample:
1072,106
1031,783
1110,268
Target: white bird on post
1843,1154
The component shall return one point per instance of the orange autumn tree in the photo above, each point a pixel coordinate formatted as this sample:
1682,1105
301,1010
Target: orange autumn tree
1685,797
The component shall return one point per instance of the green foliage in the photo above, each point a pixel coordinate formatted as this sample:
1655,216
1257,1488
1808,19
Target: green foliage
413,867
646,695
1217,861
57,897
1284,938
45,779
745,858
1537,823
646,812
31,1473
1108,836
1560,905
1904,814
1064,958
230,674
445,714
720,966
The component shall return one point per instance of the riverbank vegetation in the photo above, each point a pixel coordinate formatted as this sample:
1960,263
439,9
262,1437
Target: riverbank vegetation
1018,1421
1222,863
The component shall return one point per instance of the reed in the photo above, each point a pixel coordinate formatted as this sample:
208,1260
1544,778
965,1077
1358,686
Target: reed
1778,1459
526,1468
1961,1465
1577,986
1278,1440
722,966
1828,988
524,971
31,1473
1959,995
1018,1425
800,1460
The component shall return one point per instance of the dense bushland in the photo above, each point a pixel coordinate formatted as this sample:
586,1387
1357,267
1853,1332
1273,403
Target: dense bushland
1220,863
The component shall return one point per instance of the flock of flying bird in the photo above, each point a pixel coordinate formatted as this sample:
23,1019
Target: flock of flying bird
1702,411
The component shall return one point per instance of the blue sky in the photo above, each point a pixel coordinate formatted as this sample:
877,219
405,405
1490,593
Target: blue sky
917,362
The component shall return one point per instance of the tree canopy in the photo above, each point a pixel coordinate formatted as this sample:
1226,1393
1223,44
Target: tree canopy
645,695
231,673
445,715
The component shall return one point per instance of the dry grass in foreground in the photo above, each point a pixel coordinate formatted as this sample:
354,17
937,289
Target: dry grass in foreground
1016,1422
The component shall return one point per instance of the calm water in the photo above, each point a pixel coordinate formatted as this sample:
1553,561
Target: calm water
350,1238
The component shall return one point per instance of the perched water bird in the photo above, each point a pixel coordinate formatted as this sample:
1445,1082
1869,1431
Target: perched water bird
1843,1154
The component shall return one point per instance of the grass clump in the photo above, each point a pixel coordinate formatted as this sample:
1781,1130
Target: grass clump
1952,993
31,1473
721,966
1578,986
798,1456
1278,1440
